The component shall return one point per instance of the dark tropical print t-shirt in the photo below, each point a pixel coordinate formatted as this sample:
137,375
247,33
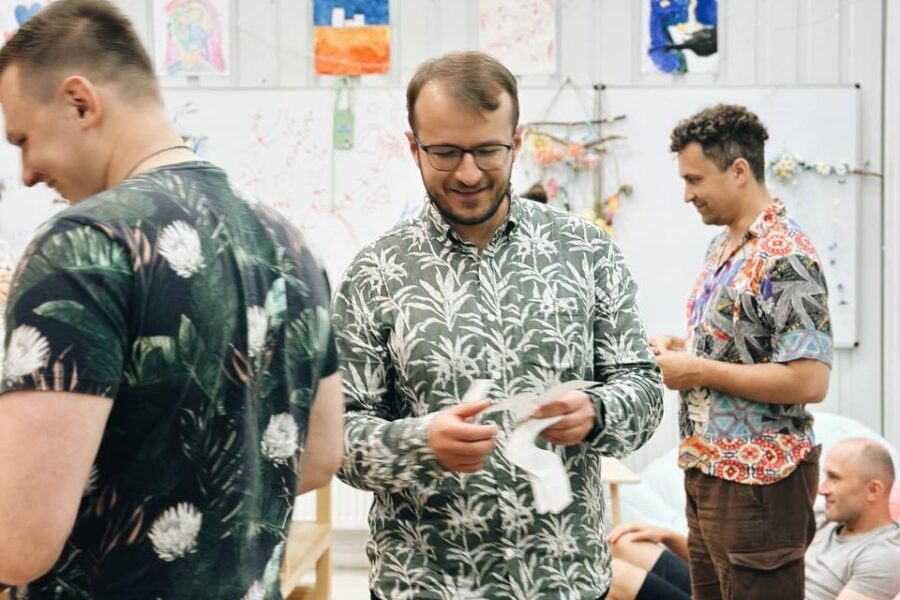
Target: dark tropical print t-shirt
205,318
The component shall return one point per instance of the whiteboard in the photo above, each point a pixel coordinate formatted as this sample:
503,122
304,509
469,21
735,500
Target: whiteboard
664,240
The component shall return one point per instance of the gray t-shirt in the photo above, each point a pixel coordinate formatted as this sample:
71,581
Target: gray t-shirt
867,563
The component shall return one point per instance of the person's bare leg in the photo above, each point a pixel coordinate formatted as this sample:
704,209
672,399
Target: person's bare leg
640,554
627,580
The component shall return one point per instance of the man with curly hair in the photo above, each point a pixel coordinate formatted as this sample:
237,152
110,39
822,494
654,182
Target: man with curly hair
758,349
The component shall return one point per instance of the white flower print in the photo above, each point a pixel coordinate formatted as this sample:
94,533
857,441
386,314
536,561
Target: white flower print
256,592
26,353
174,533
281,439
179,243
257,325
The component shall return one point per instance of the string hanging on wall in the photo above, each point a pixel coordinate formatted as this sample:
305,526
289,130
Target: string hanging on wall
567,157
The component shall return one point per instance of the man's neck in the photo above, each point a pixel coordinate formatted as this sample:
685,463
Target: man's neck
148,132
482,234
867,522
751,207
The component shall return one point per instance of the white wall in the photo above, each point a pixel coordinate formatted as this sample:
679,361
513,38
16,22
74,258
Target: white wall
763,42
891,229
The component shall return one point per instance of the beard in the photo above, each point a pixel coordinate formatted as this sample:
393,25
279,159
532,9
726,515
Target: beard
445,208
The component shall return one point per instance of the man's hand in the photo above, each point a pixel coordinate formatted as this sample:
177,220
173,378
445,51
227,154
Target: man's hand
666,343
680,370
639,532
458,444
578,420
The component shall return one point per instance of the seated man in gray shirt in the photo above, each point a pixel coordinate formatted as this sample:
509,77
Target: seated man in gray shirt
855,554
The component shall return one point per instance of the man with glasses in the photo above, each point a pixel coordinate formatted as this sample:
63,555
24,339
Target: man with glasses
483,285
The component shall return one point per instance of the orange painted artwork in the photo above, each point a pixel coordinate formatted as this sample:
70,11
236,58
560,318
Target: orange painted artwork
352,37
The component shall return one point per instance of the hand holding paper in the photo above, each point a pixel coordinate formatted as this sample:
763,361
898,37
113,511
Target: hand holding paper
577,418
458,441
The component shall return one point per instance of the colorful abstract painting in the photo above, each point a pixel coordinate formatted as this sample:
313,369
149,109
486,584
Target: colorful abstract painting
520,33
680,36
191,37
13,13
352,37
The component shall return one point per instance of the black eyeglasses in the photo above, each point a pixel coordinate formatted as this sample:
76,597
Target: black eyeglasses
446,157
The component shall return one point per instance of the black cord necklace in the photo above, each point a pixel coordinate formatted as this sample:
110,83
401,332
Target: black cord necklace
151,155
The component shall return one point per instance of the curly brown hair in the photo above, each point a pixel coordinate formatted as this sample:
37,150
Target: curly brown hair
726,132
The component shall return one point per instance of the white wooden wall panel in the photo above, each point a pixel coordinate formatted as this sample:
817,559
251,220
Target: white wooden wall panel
891,229
762,42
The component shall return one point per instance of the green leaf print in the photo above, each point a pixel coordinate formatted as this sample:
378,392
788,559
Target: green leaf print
276,303
80,252
202,364
153,358
103,358
307,335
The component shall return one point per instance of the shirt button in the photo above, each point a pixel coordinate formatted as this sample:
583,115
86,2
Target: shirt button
509,553
495,374
491,319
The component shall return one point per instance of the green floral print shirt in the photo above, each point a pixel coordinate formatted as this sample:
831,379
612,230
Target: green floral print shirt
203,317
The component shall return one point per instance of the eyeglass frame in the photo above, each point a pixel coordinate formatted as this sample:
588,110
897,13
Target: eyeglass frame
463,151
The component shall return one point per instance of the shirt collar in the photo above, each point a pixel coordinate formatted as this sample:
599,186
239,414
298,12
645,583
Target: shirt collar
439,226
773,215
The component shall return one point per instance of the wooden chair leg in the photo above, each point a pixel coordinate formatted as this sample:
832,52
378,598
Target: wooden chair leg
323,576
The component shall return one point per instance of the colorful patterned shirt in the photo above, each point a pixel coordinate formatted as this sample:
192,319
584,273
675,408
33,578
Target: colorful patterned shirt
766,302
205,320
418,316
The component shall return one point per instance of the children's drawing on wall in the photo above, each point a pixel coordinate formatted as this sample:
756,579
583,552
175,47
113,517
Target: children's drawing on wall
352,37
191,37
520,33
680,36
14,13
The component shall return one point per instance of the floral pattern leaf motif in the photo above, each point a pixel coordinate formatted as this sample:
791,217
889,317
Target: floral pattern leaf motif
179,244
26,352
765,302
102,360
84,251
174,533
418,316
172,297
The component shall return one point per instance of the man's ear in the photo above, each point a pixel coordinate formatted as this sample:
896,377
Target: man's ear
83,98
413,147
517,139
876,489
741,169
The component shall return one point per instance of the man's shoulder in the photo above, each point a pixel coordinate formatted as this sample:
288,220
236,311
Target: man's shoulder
541,219
788,240
394,239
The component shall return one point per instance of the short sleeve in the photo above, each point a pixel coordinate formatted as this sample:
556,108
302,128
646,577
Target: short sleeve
66,317
795,295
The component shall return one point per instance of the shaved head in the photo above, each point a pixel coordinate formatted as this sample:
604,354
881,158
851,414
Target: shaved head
870,460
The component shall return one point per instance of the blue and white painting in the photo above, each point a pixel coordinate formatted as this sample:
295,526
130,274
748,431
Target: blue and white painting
680,36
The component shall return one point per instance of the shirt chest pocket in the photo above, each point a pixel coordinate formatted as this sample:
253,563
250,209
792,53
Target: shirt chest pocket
556,336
